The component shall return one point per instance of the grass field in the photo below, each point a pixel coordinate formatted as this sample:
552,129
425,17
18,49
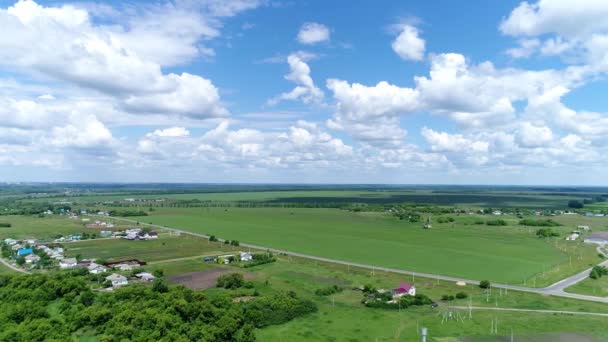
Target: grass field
491,198
592,287
343,318
163,248
41,227
504,254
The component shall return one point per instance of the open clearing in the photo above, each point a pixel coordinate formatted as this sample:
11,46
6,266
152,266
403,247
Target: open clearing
163,248
202,279
501,254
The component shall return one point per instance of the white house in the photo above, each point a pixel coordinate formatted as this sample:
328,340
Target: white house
96,268
583,227
10,242
117,279
145,276
572,236
31,259
246,256
68,263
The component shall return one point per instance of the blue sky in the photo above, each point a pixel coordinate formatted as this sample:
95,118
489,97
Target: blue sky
444,92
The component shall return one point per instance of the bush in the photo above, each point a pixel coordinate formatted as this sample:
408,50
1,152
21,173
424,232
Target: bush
461,295
326,291
276,309
484,284
231,281
597,272
539,223
402,303
545,233
212,238
445,219
498,222
575,204
5,225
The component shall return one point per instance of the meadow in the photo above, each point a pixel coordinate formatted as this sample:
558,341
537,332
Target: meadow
591,287
41,227
509,254
163,248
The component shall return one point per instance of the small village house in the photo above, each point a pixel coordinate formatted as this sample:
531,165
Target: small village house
145,276
117,280
404,289
95,268
32,259
246,256
68,263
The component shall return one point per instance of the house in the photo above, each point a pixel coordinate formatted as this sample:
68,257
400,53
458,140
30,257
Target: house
151,235
32,259
96,268
210,259
17,247
225,259
117,280
24,251
573,236
10,242
404,289
583,227
145,276
68,263
496,213
246,256
127,266
589,214
105,233
600,238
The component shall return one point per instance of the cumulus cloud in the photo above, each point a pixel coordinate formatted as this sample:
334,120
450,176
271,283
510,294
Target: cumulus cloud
408,44
313,33
305,90
171,132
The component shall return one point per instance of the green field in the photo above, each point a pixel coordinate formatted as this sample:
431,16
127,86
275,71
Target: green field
502,254
592,287
162,248
41,227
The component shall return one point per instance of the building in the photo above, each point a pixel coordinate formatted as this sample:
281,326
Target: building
117,280
10,242
105,233
24,251
226,259
573,236
583,227
246,256
404,289
32,259
145,276
96,268
600,238
68,263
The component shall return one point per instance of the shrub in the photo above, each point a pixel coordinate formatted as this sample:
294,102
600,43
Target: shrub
597,272
461,295
326,291
575,204
546,232
484,284
231,281
498,222
277,309
5,225
539,223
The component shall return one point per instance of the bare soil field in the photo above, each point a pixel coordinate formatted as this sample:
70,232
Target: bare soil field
202,279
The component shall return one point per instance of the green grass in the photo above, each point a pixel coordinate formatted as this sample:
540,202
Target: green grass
343,318
501,254
592,287
162,248
44,227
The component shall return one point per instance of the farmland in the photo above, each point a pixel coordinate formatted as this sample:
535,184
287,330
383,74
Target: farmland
506,254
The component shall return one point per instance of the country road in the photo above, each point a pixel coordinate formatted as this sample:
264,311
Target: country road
531,310
556,289
14,268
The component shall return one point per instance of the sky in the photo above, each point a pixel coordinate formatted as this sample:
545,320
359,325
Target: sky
279,91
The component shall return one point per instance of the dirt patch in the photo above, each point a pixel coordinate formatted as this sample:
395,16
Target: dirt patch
203,279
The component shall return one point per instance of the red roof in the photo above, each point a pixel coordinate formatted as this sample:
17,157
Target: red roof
404,287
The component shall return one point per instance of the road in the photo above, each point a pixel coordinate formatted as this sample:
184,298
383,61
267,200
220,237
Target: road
532,310
11,266
556,289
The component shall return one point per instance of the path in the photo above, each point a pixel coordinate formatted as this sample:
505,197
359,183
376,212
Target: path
532,310
181,259
553,290
11,266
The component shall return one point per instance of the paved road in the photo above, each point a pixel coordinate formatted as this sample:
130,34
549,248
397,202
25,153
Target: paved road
556,289
11,266
532,310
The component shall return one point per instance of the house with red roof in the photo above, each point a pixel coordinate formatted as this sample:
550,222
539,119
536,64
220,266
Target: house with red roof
404,289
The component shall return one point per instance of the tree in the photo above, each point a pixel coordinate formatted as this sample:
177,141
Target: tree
246,334
20,260
484,284
461,295
160,285
231,281
575,204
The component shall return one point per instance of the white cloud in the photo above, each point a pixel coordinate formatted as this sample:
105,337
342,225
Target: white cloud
313,33
530,135
445,142
305,90
171,132
408,45
526,48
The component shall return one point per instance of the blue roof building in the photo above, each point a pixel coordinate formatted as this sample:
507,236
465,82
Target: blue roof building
24,251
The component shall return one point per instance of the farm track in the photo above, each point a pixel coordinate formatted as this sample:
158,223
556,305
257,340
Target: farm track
532,310
556,289
14,268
